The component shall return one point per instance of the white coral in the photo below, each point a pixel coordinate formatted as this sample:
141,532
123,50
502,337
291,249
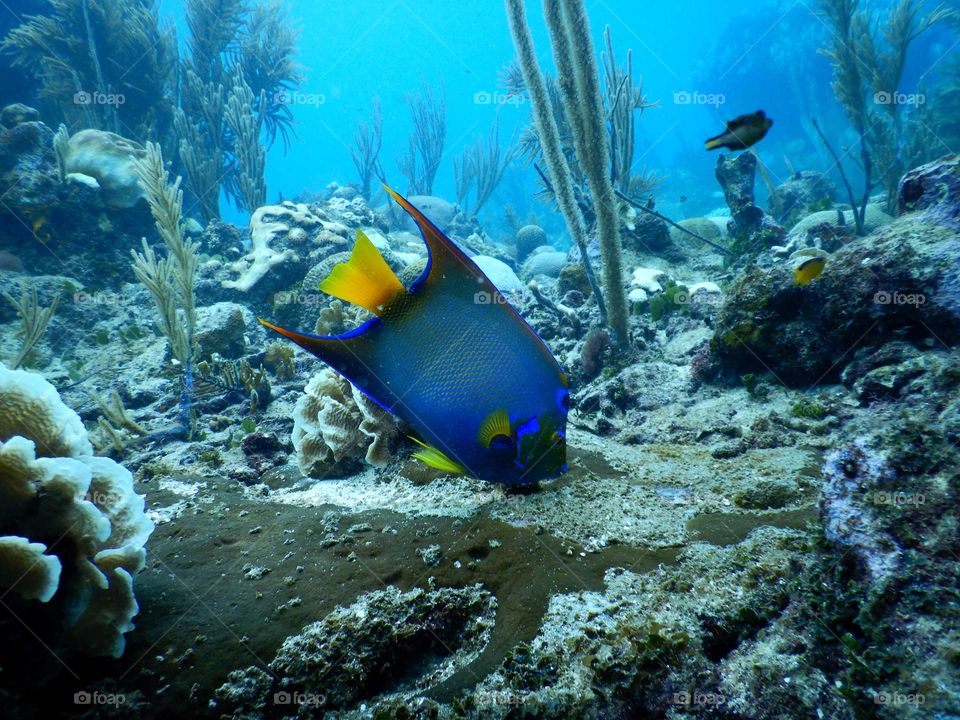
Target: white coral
56,496
335,425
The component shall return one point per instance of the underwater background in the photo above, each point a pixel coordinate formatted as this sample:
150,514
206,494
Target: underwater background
623,379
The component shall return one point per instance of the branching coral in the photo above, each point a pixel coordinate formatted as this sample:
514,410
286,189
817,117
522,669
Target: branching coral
107,64
624,99
171,280
420,162
548,138
867,70
335,426
200,130
365,150
481,166
579,89
62,507
248,185
33,320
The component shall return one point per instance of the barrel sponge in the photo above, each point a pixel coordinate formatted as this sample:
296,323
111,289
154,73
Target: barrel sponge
75,510
335,426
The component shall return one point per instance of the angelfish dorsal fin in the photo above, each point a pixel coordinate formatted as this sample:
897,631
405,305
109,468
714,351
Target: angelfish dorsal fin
365,279
445,259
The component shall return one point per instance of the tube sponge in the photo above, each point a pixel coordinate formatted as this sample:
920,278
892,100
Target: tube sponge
62,506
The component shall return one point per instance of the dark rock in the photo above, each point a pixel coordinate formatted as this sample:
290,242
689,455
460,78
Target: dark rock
902,281
736,177
28,170
649,234
806,190
17,114
221,328
935,188
222,238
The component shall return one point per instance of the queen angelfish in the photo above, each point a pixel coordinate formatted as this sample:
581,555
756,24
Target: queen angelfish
453,359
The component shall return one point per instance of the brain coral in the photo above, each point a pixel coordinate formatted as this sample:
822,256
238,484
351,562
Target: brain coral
335,426
62,506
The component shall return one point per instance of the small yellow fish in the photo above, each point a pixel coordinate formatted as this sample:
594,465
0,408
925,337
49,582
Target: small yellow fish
741,132
809,270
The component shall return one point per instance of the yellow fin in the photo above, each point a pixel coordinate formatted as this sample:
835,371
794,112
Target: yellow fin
496,423
365,279
809,270
436,459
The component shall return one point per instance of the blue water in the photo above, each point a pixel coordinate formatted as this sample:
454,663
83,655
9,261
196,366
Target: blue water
727,58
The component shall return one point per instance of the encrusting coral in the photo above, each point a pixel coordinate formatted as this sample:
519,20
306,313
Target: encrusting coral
266,223
335,426
62,506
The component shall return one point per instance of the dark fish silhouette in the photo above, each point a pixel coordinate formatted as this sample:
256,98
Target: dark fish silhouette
741,132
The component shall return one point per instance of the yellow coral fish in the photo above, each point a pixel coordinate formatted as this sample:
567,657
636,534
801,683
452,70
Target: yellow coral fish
809,270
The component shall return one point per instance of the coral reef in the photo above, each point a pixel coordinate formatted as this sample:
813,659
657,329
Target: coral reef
63,506
899,280
110,160
335,426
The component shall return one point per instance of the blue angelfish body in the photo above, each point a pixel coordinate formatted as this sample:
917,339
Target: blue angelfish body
453,359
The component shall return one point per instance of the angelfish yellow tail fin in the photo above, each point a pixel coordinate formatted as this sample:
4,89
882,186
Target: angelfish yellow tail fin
434,458
365,279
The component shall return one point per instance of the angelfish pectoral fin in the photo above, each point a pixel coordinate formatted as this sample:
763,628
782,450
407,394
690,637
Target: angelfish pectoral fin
365,279
432,457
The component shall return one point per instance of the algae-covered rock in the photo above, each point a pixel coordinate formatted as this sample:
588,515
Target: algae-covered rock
804,190
528,238
386,643
903,280
934,188
646,233
221,328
